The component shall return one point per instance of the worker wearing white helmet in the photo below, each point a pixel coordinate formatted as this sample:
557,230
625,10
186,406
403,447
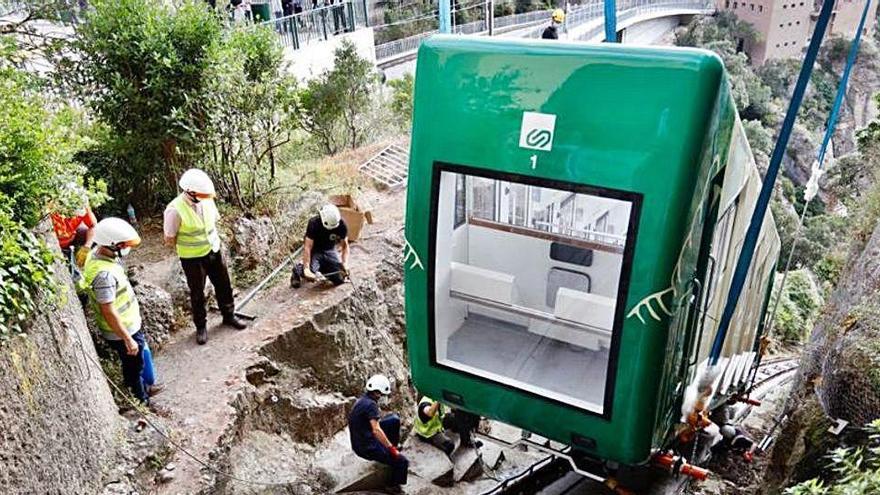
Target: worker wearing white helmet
115,304
325,249
191,227
375,437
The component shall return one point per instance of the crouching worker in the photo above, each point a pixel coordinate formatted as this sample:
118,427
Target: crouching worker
115,305
325,250
374,437
433,419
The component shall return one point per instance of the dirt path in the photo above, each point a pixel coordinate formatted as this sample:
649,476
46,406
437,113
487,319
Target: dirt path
202,380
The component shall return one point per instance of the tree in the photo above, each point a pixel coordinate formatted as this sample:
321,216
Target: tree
36,172
335,107
142,67
250,114
402,100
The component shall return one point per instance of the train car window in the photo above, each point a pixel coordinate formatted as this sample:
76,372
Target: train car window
503,308
563,278
460,202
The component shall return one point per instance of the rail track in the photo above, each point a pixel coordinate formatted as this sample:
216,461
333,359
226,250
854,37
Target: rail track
554,476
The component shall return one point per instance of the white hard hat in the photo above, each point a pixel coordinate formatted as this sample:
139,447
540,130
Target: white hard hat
728,432
197,181
379,383
115,231
330,216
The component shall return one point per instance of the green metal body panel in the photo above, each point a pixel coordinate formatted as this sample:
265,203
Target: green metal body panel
648,121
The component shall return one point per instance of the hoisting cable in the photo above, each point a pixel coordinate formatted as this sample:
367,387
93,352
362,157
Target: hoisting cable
819,166
757,220
152,424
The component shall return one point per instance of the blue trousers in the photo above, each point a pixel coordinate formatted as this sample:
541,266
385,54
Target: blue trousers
390,425
133,366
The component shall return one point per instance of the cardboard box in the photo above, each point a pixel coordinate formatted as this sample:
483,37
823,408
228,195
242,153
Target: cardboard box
353,214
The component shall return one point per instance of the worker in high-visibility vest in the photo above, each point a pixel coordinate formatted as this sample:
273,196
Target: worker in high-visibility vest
115,305
433,419
191,227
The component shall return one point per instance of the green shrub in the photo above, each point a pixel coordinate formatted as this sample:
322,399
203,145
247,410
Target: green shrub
25,275
798,307
335,107
853,470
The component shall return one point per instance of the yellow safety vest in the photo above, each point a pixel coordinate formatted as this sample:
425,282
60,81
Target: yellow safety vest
197,235
125,304
434,425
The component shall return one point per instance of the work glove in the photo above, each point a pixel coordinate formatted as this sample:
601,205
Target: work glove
308,274
82,253
394,452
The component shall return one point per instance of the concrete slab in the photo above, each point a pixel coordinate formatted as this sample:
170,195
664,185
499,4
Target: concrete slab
467,465
428,462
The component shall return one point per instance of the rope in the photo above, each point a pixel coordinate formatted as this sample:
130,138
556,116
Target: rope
137,407
820,155
751,240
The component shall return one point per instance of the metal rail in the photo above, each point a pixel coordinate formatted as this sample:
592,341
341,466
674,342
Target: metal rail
531,313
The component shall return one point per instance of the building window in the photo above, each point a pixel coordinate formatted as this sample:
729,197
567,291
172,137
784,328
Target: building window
727,4
760,8
781,25
777,45
734,5
798,23
752,6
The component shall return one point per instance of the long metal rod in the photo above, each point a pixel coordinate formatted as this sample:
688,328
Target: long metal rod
751,240
266,280
610,21
445,17
530,313
546,450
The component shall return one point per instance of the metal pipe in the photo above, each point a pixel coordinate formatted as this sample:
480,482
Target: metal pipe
266,280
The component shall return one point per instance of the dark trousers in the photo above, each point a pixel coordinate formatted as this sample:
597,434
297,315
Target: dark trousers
325,262
132,366
390,425
197,270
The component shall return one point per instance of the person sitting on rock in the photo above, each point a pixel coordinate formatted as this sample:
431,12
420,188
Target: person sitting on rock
374,437
433,419
321,258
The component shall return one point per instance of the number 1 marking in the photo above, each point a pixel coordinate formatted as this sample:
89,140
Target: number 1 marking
534,159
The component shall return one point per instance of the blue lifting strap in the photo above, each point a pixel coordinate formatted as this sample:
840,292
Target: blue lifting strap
610,21
841,89
751,240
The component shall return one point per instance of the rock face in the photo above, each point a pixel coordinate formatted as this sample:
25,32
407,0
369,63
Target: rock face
838,377
175,286
59,428
157,313
253,241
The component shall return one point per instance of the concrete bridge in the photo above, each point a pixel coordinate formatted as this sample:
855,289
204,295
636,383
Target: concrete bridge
638,22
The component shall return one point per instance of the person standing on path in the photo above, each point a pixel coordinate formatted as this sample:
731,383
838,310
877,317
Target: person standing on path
115,304
191,227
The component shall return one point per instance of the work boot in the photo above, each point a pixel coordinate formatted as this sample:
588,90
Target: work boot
201,335
234,322
295,278
159,410
155,389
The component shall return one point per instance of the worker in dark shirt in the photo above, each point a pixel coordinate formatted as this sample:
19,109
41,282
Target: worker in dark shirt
552,31
374,437
325,250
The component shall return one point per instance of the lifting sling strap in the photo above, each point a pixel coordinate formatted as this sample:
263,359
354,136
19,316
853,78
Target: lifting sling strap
751,239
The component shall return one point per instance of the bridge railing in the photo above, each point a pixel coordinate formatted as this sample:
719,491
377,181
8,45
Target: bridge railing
632,8
319,24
